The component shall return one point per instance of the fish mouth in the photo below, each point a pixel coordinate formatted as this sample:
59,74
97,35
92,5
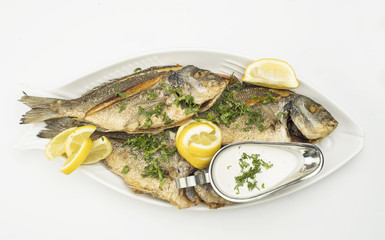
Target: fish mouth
294,133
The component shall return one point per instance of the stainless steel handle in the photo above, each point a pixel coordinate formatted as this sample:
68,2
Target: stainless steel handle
199,178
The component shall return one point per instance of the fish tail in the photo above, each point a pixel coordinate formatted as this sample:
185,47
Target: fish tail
55,126
42,109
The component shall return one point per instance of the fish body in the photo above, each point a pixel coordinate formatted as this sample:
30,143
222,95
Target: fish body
130,164
148,101
283,116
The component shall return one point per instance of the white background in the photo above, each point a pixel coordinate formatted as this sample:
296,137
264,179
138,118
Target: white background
337,46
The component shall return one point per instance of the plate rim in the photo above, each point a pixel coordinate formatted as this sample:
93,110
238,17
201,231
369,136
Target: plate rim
159,202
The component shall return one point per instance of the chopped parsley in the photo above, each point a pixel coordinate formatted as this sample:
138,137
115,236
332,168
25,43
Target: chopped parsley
228,109
166,119
187,103
120,94
279,115
150,144
122,106
249,170
231,79
155,111
269,98
151,95
125,170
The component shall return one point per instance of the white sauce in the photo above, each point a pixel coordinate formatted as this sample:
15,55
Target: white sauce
226,167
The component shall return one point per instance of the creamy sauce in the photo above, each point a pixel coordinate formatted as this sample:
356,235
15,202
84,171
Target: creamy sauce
226,167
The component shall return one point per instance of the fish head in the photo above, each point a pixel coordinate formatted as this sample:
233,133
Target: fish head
310,119
204,85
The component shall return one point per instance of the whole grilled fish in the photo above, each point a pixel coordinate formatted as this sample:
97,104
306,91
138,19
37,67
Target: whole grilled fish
284,116
148,101
267,114
131,164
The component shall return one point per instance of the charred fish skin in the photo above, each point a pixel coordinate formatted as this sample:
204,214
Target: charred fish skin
156,91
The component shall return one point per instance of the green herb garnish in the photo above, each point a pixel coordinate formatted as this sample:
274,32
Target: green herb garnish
167,120
150,144
125,170
138,69
269,98
122,106
231,79
187,103
151,95
227,110
157,111
120,94
249,171
279,115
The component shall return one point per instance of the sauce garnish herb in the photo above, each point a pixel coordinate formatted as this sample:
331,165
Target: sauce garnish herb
249,170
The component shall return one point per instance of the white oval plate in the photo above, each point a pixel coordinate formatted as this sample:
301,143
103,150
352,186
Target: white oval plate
338,148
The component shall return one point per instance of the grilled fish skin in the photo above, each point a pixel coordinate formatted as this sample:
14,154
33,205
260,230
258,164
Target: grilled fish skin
114,105
287,117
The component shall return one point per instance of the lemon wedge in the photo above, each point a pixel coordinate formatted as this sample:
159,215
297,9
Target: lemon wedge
272,73
56,147
101,148
78,157
198,141
77,138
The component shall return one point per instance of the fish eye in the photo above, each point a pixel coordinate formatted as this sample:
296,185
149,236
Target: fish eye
200,74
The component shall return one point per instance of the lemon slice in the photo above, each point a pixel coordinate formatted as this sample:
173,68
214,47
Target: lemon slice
272,73
78,157
55,147
77,138
198,141
101,148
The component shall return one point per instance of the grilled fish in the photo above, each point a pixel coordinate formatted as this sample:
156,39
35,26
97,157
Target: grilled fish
130,164
148,101
280,116
284,117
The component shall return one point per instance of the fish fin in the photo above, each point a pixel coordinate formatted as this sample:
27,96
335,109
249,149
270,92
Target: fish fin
47,133
57,125
41,109
116,81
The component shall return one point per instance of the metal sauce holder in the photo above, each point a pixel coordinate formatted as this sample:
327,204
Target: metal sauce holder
312,159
